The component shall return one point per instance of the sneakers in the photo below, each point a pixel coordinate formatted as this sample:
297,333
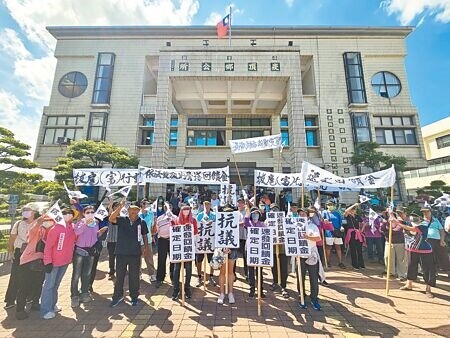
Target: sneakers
21,315
341,265
274,286
231,299
302,306
75,302
263,295
49,315
316,305
9,305
116,302
153,278
325,283
175,295
57,309
187,294
220,299
134,301
212,282
284,293
199,282
86,298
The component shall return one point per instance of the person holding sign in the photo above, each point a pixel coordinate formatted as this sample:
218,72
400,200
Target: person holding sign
185,218
58,254
252,219
311,233
131,230
206,220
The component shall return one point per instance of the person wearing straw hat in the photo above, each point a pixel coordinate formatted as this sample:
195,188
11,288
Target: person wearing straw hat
420,251
17,243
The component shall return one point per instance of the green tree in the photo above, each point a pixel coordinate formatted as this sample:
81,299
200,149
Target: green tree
367,155
90,154
434,190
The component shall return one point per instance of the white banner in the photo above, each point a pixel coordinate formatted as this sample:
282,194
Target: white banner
255,144
101,212
227,195
259,246
294,231
277,180
55,214
275,221
227,230
315,177
182,243
204,242
183,176
106,177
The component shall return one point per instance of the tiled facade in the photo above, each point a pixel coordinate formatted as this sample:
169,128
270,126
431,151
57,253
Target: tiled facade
309,83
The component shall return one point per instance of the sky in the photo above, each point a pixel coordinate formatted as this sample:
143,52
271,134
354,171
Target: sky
26,48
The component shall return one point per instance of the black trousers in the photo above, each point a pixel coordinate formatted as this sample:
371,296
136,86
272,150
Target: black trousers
111,247
356,253
29,286
132,262
440,255
313,272
428,267
163,252
11,292
283,269
94,268
187,277
252,278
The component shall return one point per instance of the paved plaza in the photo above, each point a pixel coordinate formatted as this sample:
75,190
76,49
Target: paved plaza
353,305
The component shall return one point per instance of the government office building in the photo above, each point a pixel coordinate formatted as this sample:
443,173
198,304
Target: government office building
175,96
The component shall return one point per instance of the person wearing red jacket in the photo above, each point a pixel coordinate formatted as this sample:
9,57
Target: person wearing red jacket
58,254
185,218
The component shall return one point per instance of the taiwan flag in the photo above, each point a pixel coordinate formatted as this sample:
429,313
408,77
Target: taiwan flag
223,26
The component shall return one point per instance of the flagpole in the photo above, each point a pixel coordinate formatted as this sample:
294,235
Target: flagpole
229,29
388,269
237,169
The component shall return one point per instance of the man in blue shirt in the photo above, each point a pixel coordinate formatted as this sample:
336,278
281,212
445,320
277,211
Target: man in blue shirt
334,237
149,217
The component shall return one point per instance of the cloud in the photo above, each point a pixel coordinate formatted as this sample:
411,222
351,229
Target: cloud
215,17
24,127
12,45
289,3
407,10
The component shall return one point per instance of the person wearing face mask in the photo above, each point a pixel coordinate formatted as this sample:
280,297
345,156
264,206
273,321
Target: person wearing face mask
253,219
132,230
334,237
17,243
283,264
87,233
185,218
58,254
315,218
354,239
31,267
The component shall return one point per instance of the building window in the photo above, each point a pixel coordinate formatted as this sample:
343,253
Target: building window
103,78
148,137
97,126
284,124
242,134
204,122
361,127
355,79
396,136
443,141
63,129
149,122
386,84
173,136
311,129
251,122
389,121
206,138
72,84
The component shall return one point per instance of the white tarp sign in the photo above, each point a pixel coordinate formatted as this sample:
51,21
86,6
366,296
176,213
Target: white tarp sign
204,241
315,177
105,177
185,176
259,246
227,194
294,231
275,221
255,144
182,243
227,230
277,180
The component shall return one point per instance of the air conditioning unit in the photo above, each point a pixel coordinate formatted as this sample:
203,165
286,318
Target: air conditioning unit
63,140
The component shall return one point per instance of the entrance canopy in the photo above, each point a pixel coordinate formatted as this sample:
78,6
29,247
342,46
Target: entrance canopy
209,95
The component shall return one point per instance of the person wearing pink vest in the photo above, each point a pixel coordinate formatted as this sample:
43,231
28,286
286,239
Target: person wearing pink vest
58,254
